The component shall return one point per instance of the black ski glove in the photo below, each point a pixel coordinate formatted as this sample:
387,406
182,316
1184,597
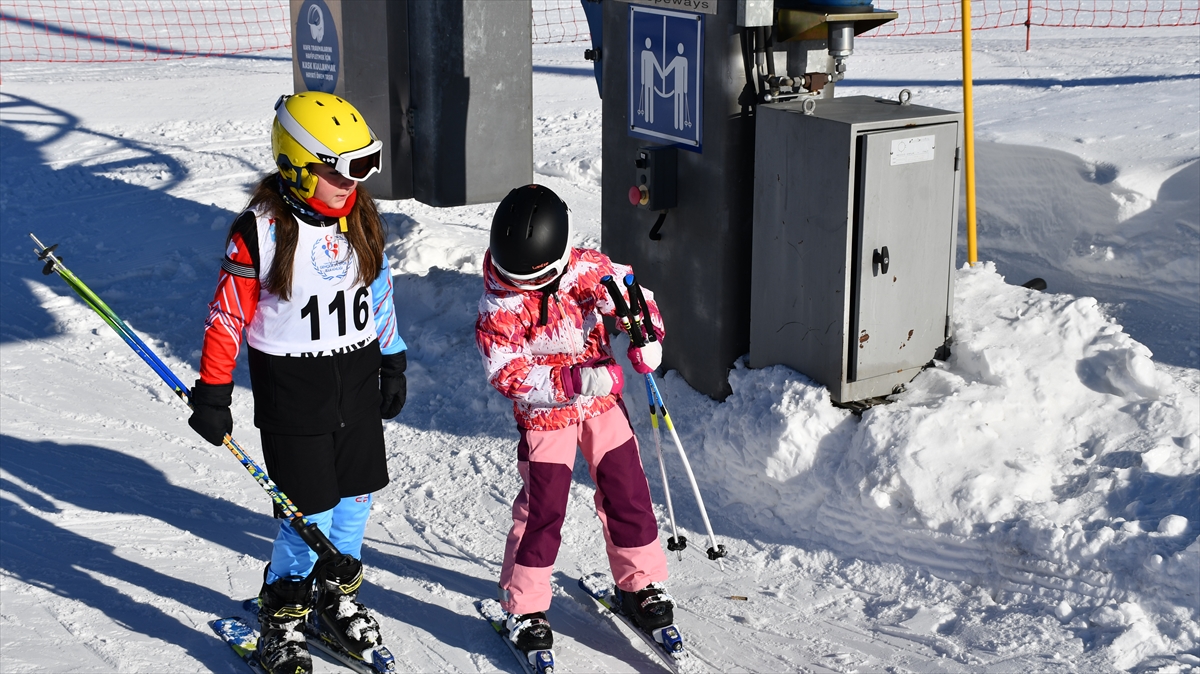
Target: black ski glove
210,411
393,386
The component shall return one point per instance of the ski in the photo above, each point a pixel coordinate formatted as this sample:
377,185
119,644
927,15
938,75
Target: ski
666,642
378,660
242,638
535,662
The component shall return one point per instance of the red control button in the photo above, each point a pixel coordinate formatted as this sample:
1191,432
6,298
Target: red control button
639,195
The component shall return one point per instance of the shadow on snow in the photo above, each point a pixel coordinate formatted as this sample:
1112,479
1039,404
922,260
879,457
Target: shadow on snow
35,551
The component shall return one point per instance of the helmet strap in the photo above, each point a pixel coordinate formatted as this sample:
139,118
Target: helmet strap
547,290
302,181
294,200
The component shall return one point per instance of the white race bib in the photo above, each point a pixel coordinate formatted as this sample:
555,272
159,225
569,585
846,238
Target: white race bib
329,312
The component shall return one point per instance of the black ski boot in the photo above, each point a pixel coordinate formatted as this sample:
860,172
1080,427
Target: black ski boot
282,648
650,607
530,631
339,619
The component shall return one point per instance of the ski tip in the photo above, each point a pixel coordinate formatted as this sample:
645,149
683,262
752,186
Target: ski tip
230,624
492,612
238,635
597,584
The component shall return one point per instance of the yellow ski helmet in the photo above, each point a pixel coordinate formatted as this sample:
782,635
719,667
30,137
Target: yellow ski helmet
315,127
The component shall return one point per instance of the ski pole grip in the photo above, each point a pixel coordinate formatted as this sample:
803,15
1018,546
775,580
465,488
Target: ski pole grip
637,316
635,331
636,296
315,538
615,293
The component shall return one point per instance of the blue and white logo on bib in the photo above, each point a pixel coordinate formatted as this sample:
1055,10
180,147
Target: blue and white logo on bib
331,257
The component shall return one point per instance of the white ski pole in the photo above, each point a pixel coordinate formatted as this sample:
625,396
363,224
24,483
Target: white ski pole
675,543
640,306
716,551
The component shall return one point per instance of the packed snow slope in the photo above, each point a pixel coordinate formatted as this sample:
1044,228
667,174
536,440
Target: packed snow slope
1031,504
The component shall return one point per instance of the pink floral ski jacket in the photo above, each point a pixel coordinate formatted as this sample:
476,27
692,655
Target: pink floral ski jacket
520,357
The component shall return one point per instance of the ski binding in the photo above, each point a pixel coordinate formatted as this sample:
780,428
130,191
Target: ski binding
376,660
533,662
665,642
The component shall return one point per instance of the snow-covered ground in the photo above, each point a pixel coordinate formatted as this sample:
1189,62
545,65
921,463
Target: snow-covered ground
1031,504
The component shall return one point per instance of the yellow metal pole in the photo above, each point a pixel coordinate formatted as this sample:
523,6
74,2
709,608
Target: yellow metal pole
969,132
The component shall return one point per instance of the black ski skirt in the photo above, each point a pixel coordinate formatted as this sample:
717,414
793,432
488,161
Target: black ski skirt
317,471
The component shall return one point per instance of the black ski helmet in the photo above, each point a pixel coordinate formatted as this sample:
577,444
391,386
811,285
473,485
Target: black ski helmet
530,232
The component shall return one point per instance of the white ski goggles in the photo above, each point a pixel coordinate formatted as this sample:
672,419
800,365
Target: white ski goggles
357,165
538,278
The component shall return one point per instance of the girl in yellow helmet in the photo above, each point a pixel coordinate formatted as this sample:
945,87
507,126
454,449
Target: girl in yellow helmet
306,279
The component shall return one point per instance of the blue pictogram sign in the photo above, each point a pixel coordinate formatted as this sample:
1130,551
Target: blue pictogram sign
316,48
666,75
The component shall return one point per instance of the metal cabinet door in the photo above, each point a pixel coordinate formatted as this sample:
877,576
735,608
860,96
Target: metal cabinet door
905,205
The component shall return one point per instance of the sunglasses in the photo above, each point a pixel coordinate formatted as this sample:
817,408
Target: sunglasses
356,165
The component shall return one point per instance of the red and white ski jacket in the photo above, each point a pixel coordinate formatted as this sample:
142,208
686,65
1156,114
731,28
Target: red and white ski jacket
520,357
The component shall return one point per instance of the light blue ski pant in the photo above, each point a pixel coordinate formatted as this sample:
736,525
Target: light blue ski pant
344,524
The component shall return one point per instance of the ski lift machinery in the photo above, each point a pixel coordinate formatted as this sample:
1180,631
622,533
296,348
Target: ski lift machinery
775,219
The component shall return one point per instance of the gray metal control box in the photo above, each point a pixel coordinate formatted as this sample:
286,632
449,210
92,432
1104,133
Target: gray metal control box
855,219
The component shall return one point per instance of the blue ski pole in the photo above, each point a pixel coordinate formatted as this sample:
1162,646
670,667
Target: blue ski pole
308,531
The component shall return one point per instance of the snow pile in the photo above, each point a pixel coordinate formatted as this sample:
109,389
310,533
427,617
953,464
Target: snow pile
1048,456
1085,233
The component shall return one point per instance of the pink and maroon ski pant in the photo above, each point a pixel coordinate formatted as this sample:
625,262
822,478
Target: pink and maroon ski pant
545,460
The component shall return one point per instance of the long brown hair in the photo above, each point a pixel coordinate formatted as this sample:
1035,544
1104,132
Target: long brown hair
364,232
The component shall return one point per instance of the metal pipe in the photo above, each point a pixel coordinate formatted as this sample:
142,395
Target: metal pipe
969,132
